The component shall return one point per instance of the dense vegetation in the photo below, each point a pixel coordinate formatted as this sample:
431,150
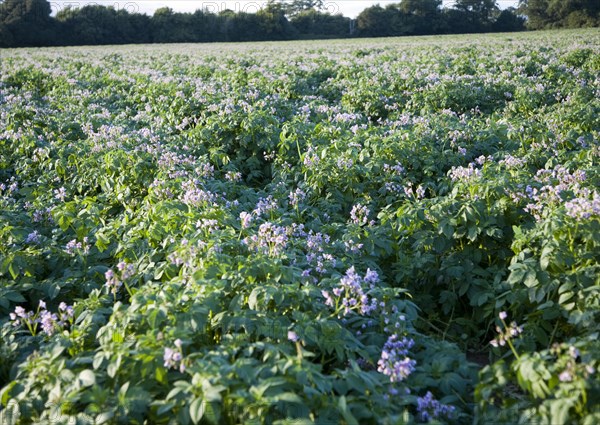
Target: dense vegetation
561,13
381,232
28,22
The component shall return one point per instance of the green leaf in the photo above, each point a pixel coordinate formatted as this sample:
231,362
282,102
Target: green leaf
5,393
167,407
559,410
564,297
197,410
161,374
346,414
531,280
289,397
545,257
112,369
253,298
87,378
11,269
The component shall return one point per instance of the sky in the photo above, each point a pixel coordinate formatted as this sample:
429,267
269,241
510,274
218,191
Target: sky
349,8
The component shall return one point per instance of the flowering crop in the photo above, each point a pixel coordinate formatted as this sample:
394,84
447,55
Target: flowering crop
48,321
317,232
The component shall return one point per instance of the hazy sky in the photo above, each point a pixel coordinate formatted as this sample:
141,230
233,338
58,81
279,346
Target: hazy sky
349,8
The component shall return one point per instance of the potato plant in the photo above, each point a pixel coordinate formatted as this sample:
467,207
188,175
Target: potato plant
361,232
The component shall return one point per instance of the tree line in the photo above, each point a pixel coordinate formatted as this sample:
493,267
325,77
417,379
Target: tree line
29,22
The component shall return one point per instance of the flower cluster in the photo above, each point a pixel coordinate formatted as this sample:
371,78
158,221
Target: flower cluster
394,361
552,187
42,215
195,196
173,357
208,225
352,246
13,186
505,336
74,247
60,194
572,365
396,169
271,239
246,219
115,280
429,408
510,161
296,197
48,321
161,190
33,238
582,208
264,206
464,173
345,163
233,176
311,158
410,192
316,256
112,281
359,214
349,295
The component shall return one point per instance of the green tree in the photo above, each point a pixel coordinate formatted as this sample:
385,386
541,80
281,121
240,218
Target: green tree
509,21
425,8
536,12
560,13
28,22
375,21
420,17
95,24
574,13
476,15
273,23
314,24
294,7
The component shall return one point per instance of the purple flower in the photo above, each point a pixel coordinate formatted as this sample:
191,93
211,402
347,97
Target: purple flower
328,298
74,246
394,361
270,240
33,237
430,408
464,173
265,205
351,294
246,219
565,376
296,197
49,322
173,358
233,176
65,312
292,336
112,282
371,277
60,194
359,214
127,270
582,208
